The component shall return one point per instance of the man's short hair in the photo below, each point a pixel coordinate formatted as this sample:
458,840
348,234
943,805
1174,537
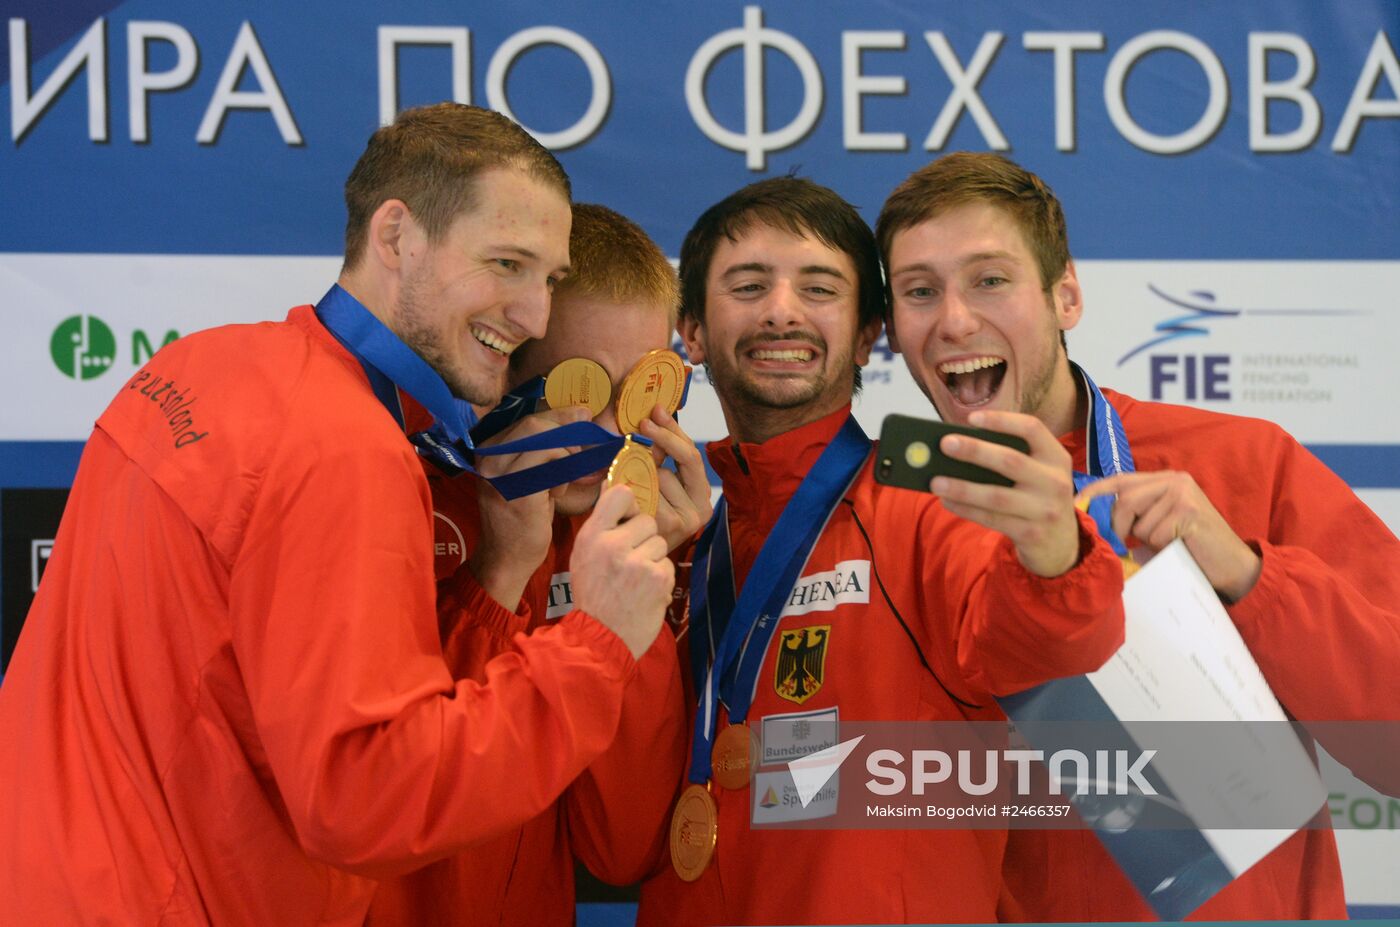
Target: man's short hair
797,205
611,257
429,157
966,177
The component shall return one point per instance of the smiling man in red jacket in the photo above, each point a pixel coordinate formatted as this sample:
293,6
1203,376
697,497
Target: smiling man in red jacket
982,288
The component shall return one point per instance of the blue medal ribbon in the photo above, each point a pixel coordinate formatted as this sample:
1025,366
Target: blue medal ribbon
390,363
729,639
513,406
1107,454
449,442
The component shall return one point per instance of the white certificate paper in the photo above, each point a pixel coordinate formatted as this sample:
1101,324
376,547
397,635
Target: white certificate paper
1184,661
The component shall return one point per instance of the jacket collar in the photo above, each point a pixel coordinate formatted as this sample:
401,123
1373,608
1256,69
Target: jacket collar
761,478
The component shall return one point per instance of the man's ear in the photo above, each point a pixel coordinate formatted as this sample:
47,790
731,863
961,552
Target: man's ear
689,328
1068,298
390,230
865,340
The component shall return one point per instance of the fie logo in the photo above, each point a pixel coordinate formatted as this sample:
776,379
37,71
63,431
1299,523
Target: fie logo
1205,377
83,347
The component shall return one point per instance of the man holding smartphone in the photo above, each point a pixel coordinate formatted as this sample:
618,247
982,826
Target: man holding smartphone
916,614
982,290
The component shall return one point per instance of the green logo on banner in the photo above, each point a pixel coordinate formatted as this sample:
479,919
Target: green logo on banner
83,347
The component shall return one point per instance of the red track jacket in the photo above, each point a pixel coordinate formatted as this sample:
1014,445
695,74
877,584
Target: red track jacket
229,703
986,626
609,817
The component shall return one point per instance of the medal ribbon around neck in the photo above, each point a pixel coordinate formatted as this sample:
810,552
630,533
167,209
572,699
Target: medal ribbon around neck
449,442
513,406
729,639
1107,454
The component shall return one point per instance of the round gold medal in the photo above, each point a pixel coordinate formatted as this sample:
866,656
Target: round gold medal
578,381
633,466
658,378
1130,566
694,828
733,756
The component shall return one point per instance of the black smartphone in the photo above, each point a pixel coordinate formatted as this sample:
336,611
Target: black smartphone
909,456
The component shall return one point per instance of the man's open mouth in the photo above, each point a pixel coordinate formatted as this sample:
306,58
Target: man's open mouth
973,381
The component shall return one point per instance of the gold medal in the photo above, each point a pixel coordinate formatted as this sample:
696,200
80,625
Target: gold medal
733,756
633,466
694,829
578,381
657,379
1130,566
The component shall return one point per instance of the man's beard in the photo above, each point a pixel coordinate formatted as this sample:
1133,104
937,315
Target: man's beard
416,330
1037,385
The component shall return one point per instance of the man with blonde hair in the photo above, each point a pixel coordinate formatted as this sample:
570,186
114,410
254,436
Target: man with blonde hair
504,569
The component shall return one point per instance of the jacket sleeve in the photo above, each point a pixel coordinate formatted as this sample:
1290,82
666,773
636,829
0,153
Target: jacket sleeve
1323,620
618,810
474,627
640,776
1013,629
382,761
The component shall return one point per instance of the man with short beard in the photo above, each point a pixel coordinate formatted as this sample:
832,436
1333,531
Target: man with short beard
229,703
504,571
928,617
982,288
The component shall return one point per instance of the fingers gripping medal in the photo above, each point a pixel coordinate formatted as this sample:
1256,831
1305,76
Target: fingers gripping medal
694,827
1130,566
657,379
634,467
578,381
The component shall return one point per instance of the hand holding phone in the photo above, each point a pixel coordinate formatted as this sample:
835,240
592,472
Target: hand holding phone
1014,479
911,456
